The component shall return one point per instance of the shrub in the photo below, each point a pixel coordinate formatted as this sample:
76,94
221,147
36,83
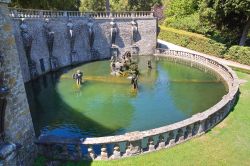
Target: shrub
193,41
239,54
189,23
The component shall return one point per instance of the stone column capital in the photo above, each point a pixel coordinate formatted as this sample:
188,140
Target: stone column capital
5,1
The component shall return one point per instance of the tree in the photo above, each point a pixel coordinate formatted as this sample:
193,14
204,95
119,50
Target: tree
46,4
181,8
92,5
230,17
118,5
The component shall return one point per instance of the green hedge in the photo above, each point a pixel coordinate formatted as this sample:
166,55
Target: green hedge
193,41
239,53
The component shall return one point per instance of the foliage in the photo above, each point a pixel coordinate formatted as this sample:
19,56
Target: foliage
47,4
189,23
92,5
227,16
118,5
239,54
181,8
193,41
40,161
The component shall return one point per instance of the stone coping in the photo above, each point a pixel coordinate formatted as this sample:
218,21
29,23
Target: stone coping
177,132
33,13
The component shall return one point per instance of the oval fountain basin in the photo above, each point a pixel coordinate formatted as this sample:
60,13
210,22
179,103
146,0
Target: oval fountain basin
106,105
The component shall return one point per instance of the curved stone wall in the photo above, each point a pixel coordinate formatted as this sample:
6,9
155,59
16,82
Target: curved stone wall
138,142
32,28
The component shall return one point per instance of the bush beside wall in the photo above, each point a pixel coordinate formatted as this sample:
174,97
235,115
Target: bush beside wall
193,41
239,54
205,45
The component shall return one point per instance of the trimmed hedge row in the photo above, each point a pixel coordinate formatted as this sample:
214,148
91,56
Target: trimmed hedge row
193,41
205,45
239,54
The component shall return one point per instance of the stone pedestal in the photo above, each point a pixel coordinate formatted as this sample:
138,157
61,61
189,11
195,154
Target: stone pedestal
53,63
135,50
33,70
114,51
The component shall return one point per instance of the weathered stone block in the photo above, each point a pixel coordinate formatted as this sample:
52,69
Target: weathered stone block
6,149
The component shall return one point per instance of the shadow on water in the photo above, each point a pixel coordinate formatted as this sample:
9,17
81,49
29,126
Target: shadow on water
43,116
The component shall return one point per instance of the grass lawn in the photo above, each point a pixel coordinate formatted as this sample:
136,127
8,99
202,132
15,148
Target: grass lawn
226,144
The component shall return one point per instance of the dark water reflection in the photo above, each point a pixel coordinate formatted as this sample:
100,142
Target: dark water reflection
105,105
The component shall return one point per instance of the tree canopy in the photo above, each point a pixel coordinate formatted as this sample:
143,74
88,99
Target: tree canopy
118,5
230,17
227,21
47,4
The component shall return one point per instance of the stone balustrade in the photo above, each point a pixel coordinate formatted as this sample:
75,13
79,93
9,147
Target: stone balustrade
138,142
32,13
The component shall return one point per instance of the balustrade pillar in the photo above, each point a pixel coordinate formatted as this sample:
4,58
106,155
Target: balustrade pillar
171,138
65,14
202,127
151,146
133,147
116,152
104,153
195,128
79,151
188,132
207,123
91,153
179,136
65,150
162,142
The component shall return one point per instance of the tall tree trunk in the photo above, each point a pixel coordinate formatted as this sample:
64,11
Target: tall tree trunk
107,6
245,33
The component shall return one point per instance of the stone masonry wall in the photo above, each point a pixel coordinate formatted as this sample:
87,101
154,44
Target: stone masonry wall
18,122
146,40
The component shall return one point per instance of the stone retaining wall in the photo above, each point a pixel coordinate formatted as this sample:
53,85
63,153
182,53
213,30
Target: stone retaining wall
17,145
58,21
138,142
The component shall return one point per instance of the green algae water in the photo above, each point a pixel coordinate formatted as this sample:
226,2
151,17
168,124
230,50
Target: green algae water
106,105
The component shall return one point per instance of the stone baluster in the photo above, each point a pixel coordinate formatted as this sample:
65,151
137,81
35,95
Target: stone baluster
116,152
195,128
47,149
213,120
162,142
171,138
207,123
65,13
128,149
222,113
217,116
202,127
133,147
104,153
151,146
91,154
188,132
179,136
79,151
65,150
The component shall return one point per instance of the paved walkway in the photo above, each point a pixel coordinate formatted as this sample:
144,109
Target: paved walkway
172,46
